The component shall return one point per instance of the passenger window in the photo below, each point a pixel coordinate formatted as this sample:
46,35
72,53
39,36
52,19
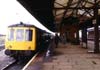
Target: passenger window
29,34
11,35
19,35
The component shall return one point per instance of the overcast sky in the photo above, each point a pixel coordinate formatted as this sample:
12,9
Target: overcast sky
11,12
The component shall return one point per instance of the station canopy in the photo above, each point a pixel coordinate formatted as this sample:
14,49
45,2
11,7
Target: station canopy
53,13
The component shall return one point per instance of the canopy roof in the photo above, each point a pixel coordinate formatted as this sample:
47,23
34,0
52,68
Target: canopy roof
53,12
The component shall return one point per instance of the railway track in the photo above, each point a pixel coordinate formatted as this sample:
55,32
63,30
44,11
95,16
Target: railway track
33,58
35,63
18,65
15,66
9,65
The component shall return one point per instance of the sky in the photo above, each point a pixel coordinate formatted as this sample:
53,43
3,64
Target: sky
12,12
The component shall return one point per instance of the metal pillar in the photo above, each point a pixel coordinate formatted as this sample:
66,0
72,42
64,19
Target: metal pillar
96,31
84,37
96,39
77,37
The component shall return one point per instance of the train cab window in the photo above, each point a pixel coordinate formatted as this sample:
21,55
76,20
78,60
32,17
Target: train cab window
11,35
19,35
29,34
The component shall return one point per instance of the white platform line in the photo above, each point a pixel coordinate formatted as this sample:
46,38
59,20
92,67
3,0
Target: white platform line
24,68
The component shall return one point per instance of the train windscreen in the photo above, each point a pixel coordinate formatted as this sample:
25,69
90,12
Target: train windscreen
19,34
11,35
28,36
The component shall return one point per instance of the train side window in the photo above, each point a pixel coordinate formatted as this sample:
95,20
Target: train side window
11,35
29,34
19,35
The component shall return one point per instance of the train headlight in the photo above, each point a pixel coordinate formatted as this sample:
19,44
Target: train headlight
29,48
10,46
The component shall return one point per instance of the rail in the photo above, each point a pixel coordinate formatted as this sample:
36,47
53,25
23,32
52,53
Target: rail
9,65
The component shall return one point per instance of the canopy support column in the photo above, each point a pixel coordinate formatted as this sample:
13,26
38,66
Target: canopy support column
96,30
77,37
84,37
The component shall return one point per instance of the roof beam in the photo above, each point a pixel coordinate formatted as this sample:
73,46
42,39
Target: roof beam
77,8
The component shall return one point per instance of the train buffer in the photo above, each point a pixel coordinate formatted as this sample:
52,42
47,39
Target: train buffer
67,57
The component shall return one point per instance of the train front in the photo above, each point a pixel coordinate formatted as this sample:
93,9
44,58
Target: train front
21,38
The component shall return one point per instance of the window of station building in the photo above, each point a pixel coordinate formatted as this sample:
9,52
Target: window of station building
11,35
19,35
28,36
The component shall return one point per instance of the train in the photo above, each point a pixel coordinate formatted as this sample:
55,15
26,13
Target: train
91,34
23,40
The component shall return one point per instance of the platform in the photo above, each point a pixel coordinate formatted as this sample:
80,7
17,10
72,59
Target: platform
68,57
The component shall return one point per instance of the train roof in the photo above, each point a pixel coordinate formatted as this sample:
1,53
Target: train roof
22,25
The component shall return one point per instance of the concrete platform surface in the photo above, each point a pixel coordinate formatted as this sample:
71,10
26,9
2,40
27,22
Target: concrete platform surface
69,57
